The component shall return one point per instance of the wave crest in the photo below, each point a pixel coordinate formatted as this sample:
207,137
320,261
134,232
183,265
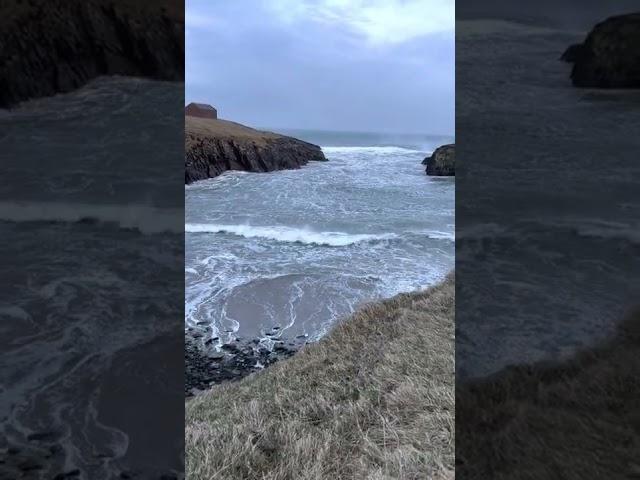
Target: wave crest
370,150
144,218
287,234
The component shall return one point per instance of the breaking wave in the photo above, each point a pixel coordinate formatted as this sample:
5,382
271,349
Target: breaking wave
288,234
144,218
370,150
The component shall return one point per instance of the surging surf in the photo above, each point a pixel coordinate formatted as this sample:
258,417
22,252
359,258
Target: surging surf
288,234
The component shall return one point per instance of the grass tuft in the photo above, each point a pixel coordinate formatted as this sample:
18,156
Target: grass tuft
372,400
574,419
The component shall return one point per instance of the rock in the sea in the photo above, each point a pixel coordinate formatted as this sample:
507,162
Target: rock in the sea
230,347
610,55
30,464
572,53
215,146
441,162
59,45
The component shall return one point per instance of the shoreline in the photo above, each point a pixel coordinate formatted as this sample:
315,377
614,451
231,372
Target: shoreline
368,379
207,365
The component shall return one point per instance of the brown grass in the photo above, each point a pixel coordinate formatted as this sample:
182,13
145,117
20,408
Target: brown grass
571,420
373,400
208,127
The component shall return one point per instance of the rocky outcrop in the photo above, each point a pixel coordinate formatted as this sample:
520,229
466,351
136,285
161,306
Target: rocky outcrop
610,55
59,45
441,162
215,146
572,53
206,365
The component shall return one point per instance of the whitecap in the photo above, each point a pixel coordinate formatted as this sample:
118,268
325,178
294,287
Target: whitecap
288,234
144,218
328,150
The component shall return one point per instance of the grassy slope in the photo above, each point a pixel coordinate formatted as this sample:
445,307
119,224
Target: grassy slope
572,420
374,399
224,129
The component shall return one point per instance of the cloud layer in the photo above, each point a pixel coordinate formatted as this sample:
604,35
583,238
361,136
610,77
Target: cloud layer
329,64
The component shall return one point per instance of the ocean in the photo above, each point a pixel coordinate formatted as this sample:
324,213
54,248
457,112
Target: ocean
548,251
289,253
92,280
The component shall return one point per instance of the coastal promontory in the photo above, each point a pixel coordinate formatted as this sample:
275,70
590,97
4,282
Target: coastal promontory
442,161
58,46
610,55
213,146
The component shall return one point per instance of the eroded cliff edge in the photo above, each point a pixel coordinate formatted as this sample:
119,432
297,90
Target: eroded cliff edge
215,146
59,45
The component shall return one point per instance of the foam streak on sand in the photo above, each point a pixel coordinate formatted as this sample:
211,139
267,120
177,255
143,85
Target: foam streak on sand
288,234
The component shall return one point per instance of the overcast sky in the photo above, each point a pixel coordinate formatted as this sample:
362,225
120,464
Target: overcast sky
355,65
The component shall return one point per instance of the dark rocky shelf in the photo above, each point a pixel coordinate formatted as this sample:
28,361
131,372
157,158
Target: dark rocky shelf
214,146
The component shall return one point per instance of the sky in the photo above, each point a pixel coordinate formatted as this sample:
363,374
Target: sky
348,65
578,15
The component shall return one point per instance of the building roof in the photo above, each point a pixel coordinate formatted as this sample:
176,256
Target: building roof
201,105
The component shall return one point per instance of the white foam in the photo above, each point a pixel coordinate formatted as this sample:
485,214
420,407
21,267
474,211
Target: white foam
595,228
438,235
15,312
145,218
584,227
287,234
369,150
481,27
481,231
631,234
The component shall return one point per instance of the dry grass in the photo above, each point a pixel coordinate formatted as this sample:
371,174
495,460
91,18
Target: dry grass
572,420
209,127
373,400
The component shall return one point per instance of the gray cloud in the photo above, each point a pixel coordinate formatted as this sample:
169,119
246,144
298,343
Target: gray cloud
324,64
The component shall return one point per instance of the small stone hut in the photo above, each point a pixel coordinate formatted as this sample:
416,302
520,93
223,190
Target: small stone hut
201,110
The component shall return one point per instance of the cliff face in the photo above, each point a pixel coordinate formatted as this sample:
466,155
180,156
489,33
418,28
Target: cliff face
215,146
610,55
59,45
442,161
572,53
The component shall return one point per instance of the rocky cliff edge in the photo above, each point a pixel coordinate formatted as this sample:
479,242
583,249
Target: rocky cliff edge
215,146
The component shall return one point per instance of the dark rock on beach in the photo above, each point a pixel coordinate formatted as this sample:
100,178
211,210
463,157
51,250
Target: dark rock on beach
610,55
206,366
31,459
441,162
45,437
78,40
215,146
66,475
